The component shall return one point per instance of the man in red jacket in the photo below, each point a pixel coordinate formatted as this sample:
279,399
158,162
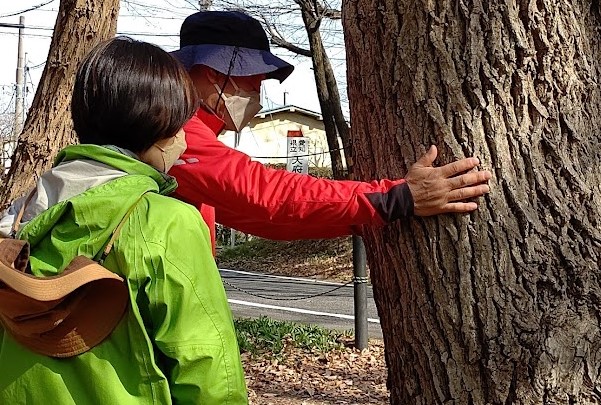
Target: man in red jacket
227,55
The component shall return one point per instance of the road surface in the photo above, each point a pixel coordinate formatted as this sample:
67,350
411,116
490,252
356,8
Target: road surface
278,297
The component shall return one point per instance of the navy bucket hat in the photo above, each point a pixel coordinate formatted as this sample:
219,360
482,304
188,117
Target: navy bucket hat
213,38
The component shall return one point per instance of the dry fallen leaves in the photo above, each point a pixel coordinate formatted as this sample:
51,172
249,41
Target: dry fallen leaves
329,259
302,377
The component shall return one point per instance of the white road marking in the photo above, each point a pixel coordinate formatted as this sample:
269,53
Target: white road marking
282,277
298,310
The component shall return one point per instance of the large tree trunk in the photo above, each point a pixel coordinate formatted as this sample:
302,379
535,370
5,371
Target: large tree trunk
502,306
80,25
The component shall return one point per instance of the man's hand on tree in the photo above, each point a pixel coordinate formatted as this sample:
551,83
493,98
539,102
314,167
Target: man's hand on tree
438,190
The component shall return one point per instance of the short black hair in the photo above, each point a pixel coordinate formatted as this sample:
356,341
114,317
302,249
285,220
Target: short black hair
130,94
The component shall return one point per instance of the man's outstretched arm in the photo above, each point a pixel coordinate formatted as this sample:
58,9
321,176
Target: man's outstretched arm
252,198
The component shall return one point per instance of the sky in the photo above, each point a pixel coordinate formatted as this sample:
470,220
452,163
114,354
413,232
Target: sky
158,21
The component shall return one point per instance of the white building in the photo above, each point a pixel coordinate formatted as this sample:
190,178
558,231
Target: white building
264,138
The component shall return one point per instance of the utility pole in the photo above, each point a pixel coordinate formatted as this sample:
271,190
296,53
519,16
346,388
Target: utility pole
19,99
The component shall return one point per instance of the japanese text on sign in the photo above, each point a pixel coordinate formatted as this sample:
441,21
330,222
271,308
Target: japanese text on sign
298,161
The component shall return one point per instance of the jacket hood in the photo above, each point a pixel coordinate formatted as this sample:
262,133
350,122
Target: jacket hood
119,161
83,223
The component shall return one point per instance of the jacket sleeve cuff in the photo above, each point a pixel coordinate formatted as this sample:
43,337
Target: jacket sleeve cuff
394,204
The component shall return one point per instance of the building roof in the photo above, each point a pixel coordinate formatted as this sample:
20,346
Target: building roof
289,109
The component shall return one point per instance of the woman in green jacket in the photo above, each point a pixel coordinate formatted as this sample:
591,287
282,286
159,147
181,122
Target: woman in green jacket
176,342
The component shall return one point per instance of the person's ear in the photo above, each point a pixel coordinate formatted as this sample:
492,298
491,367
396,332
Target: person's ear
213,75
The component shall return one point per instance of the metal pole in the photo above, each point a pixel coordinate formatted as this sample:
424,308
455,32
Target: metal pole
232,237
8,25
19,99
360,282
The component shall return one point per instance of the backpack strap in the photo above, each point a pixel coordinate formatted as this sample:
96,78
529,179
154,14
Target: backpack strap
19,217
14,251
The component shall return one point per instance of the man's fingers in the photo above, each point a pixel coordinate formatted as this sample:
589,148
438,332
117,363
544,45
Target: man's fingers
428,158
468,192
458,207
469,179
460,166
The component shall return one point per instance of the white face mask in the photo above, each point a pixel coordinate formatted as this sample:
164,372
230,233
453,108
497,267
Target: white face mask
242,106
163,154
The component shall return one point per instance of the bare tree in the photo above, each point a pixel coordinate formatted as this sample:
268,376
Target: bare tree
318,153
313,12
502,306
20,12
6,134
278,19
80,25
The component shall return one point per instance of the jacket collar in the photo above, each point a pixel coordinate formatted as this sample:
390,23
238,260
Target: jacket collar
119,161
211,120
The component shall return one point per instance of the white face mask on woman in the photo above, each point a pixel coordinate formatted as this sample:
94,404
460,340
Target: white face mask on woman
163,154
241,106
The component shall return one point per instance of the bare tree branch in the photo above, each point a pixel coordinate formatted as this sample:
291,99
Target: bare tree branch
330,13
282,43
205,5
278,40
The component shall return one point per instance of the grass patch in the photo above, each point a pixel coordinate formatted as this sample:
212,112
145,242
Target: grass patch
247,250
257,336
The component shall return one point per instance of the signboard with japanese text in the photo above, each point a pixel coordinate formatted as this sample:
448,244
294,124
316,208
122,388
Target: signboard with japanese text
298,149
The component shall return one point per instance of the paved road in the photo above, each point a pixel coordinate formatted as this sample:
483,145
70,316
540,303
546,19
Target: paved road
333,310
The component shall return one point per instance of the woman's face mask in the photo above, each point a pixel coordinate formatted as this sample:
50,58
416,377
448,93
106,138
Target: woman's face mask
163,154
241,106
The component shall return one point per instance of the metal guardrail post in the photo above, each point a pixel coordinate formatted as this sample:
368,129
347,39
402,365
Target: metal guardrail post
360,281
232,237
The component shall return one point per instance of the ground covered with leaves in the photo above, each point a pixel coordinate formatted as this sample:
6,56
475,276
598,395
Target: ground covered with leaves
301,376
321,259
293,364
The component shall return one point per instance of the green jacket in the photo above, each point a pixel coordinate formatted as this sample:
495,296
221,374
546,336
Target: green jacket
176,342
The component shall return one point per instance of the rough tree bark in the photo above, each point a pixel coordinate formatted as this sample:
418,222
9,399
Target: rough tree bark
80,25
502,306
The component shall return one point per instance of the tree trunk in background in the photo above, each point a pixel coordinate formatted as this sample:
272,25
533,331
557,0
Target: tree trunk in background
80,25
327,89
501,306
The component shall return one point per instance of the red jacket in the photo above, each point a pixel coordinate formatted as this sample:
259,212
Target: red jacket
276,204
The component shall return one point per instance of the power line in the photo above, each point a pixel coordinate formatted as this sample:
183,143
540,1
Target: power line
157,17
37,66
157,8
307,155
145,34
26,34
27,72
25,11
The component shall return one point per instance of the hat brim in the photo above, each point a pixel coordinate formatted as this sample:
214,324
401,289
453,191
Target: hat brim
87,300
248,61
